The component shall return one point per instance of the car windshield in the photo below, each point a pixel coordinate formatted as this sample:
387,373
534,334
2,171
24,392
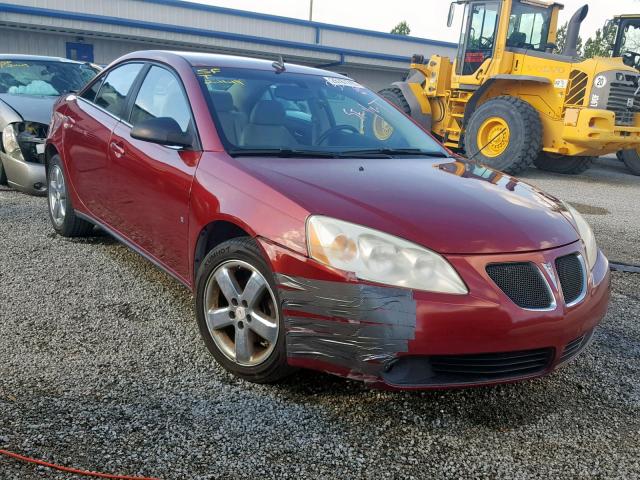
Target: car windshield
46,78
529,27
262,112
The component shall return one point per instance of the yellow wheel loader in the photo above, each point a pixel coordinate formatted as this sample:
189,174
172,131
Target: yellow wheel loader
510,102
627,46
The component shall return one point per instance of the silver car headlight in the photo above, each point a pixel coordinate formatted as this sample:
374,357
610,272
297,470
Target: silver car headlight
10,142
379,257
586,235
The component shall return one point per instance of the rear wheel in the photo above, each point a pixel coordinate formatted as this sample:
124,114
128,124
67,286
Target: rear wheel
563,164
631,159
504,133
63,216
395,96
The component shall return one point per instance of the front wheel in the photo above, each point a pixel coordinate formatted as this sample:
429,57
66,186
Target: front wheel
563,164
631,159
239,314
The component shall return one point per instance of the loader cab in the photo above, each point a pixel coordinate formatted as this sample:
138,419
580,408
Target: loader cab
627,43
491,27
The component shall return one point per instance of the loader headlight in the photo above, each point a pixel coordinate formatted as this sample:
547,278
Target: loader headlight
586,235
379,257
10,142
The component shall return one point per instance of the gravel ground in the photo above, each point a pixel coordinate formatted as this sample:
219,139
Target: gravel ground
102,367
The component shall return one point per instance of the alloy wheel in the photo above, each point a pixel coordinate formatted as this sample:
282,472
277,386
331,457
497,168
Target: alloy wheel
57,195
241,313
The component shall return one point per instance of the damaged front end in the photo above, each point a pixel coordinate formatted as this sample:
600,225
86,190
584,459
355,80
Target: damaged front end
23,146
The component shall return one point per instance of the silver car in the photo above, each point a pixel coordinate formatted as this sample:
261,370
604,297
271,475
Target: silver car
29,86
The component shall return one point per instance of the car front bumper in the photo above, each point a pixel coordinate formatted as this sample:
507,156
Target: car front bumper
398,338
28,177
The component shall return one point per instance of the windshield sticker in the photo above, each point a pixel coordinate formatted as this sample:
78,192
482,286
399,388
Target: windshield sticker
228,82
10,64
342,82
381,129
205,72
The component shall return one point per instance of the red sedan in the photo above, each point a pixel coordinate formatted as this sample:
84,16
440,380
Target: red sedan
319,227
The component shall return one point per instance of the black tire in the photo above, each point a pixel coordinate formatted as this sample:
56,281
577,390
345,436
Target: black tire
525,134
631,159
563,164
71,226
395,96
242,249
3,174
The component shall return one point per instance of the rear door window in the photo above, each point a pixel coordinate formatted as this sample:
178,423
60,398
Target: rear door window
116,86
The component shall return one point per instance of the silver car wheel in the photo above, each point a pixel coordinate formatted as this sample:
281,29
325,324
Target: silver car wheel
241,313
57,195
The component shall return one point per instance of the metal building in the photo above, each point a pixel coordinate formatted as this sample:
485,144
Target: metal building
101,30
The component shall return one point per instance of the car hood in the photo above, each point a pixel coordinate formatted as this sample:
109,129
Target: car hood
31,108
448,206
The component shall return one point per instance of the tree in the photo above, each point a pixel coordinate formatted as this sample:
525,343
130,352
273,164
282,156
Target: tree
601,44
401,29
561,39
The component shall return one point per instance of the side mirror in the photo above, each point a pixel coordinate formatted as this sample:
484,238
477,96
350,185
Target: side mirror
452,11
163,131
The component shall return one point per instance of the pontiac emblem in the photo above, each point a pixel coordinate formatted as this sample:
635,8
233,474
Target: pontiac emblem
551,273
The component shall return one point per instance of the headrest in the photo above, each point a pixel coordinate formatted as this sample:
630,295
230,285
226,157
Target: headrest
222,101
268,112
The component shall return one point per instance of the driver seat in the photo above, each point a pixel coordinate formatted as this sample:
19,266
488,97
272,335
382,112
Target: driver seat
266,127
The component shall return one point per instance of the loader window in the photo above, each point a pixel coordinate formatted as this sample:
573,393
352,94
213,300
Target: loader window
529,27
481,27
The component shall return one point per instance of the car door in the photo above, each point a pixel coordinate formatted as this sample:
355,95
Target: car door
89,121
150,184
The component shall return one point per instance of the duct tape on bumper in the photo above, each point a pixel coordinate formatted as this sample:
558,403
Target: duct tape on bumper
357,327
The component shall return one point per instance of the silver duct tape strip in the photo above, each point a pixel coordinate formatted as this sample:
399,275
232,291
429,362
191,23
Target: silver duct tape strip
362,327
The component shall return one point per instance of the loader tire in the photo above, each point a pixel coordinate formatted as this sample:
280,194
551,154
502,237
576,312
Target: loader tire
563,164
631,159
504,133
395,96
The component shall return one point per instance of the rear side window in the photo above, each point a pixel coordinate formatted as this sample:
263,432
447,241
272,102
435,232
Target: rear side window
161,95
91,92
116,86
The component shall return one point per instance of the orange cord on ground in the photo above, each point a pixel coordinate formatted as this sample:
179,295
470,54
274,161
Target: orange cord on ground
70,470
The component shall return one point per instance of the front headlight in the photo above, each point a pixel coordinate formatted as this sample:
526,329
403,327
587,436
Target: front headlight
10,142
380,257
586,234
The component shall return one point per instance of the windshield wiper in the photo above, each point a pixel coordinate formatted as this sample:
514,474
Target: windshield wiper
395,151
280,152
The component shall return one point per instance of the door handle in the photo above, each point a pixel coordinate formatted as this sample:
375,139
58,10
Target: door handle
118,151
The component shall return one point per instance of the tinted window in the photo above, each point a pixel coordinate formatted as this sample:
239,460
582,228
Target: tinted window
161,95
529,27
116,86
91,92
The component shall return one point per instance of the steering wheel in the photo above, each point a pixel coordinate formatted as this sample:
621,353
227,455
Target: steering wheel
336,128
485,43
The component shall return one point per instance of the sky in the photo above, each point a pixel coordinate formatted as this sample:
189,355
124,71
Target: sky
426,18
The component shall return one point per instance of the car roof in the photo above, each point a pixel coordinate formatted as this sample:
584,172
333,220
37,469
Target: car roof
9,56
201,59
